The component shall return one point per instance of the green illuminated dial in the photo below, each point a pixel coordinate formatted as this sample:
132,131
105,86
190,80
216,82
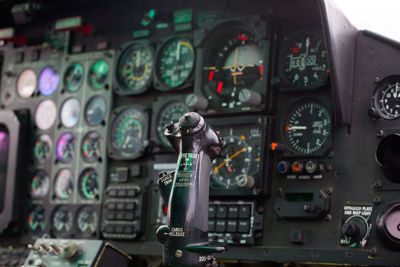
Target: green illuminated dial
92,146
40,184
135,68
42,149
37,219
175,62
98,74
89,184
73,77
128,133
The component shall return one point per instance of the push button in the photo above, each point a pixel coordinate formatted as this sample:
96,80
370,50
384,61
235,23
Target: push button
231,226
221,212
211,212
244,226
211,226
244,211
233,212
220,226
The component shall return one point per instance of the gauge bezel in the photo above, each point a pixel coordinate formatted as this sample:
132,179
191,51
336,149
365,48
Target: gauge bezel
378,90
36,82
121,88
85,158
260,29
289,152
80,184
158,81
48,189
39,79
29,212
284,84
105,110
81,82
87,208
75,149
54,114
61,233
112,152
43,138
68,100
89,72
55,181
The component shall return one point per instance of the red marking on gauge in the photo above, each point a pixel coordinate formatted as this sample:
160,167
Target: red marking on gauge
229,169
242,37
296,50
219,88
287,128
165,209
261,71
273,146
211,76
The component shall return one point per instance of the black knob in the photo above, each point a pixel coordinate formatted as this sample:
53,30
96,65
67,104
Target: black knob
189,120
355,228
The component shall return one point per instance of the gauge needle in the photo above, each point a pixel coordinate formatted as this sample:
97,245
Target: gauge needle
178,51
138,59
126,141
231,157
297,128
235,65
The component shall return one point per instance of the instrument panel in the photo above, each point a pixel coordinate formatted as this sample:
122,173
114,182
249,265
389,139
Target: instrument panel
293,177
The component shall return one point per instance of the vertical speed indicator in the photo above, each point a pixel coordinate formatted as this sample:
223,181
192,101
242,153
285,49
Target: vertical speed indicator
307,128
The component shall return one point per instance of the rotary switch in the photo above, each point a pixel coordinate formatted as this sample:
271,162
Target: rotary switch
355,228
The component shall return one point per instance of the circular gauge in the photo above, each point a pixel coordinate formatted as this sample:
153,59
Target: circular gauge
92,146
89,184
66,150
64,184
386,100
98,74
37,219
70,112
128,133
48,81
42,149
95,110
40,184
26,83
62,219
87,220
170,112
46,114
234,64
304,60
307,128
73,77
135,68
175,62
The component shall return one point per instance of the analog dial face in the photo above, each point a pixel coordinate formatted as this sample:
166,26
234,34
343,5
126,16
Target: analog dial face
46,114
304,61
98,74
73,77
40,184
234,64
42,149
307,128
92,146
66,148
135,68
26,83
64,184
170,112
62,219
87,220
95,110
70,112
387,98
175,62
48,81
128,133
37,219
240,156
89,184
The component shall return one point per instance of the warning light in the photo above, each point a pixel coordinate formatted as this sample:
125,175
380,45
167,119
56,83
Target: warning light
165,209
273,146
296,50
296,167
243,137
242,37
261,68
211,76
219,88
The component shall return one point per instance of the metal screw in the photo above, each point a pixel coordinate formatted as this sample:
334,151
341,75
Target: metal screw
372,252
376,80
377,200
380,133
328,217
378,184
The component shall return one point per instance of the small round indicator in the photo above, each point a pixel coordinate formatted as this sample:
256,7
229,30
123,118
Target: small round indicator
48,81
95,110
66,148
92,146
42,149
386,99
98,74
170,112
175,62
62,219
89,184
128,133
26,83
64,184
73,77
46,114
70,112
135,68
87,220
40,184
37,219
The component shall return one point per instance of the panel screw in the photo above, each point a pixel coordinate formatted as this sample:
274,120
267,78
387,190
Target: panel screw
372,252
378,184
380,133
377,200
